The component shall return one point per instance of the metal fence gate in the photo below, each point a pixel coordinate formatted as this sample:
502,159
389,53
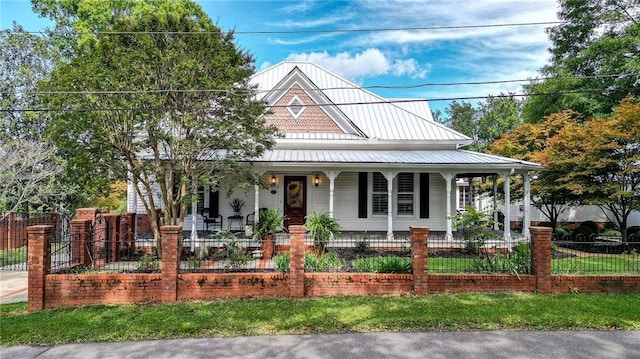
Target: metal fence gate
14,246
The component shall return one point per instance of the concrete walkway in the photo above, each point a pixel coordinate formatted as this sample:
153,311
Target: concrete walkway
13,286
494,344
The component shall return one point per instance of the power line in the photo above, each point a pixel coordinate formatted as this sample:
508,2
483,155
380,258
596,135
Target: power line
313,105
290,32
426,84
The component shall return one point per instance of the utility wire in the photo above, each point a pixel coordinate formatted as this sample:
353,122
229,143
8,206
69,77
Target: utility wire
289,32
426,84
311,105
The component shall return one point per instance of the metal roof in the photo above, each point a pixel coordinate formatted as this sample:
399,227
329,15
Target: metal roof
420,158
372,114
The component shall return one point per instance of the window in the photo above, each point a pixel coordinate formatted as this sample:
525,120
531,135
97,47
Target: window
464,196
379,198
296,107
405,193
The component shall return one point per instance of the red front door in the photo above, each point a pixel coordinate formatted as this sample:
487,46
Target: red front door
295,200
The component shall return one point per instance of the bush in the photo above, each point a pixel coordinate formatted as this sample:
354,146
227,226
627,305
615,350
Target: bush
282,262
329,262
362,246
633,234
383,265
559,233
517,262
592,225
583,234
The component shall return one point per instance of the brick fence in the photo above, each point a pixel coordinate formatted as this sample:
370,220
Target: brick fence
55,290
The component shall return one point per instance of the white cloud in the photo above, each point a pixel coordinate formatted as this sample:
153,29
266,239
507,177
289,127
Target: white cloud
302,6
368,63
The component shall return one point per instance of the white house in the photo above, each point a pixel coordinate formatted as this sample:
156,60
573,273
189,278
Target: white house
373,164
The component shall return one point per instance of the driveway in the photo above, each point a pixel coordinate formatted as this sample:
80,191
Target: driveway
13,286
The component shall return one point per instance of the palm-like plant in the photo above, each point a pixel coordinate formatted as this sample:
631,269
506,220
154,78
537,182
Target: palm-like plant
322,228
269,220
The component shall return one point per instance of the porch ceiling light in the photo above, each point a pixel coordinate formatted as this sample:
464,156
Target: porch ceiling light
316,181
273,180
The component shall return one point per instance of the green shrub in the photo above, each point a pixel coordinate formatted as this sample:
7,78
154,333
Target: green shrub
383,265
559,233
148,262
517,262
282,262
633,234
362,246
611,232
592,225
311,263
582,234
329,262
322,228
474,226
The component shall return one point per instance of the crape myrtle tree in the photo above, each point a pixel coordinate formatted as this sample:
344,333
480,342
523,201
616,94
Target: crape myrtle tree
600,159
31,172
163,94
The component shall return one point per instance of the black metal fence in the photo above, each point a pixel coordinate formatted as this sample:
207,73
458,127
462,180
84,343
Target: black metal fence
494,254
597,255
14,246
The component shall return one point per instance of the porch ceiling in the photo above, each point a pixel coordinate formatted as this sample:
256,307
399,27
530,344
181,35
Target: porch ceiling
470,160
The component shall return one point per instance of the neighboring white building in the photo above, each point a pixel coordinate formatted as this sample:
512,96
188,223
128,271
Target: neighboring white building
374,165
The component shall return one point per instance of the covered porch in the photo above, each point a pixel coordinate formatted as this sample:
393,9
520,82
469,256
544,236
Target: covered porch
373,191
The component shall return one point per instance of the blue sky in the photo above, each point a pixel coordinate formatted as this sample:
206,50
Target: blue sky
390,58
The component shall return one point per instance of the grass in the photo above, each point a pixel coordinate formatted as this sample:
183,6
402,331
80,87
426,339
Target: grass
596,264
510,311
13,256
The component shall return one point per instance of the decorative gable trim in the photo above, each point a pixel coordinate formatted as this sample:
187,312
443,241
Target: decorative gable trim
296,106
296,76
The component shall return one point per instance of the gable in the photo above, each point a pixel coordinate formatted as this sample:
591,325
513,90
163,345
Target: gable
309,119
356,110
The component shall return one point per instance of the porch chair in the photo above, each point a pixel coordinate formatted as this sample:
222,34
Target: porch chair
251,217
207,221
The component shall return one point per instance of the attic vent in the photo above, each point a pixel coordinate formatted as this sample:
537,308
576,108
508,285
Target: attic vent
296,107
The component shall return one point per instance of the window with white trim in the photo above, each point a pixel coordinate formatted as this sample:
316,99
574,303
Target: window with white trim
379,197
405,199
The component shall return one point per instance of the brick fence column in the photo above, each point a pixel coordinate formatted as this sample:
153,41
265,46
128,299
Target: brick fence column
296,264
420,259
541,258
170,262
87,213
81,241
39,265
5,219
113,240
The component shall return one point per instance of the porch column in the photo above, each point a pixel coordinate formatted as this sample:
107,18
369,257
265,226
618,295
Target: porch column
507,210
331,175
526,221
256,199
132,206
496,225
390,176
256,202
194,212
448,177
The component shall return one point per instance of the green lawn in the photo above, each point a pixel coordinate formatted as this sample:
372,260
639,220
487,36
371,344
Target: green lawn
593,264
13,256
322,315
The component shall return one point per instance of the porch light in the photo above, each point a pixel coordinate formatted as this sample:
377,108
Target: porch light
273,180
316,181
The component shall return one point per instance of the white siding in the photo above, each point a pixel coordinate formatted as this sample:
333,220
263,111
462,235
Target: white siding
345,203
